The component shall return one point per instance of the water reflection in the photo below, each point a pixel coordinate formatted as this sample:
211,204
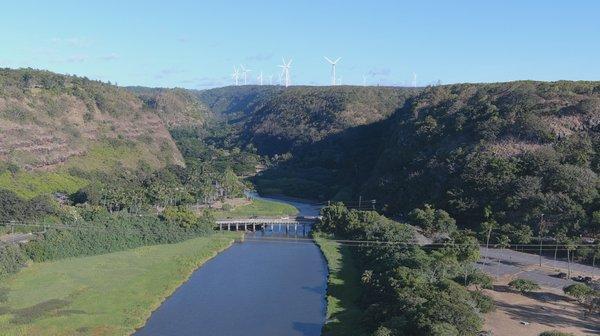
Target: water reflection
270,284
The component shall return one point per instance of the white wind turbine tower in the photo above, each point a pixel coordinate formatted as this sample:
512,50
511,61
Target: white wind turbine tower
364,80
333,63
236,75
286,71
260,78
414,81
245,71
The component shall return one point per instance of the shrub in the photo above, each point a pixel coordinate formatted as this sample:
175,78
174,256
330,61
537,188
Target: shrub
110,233
180,216
12,259
484,303
432,221
523,285
555,333
581,292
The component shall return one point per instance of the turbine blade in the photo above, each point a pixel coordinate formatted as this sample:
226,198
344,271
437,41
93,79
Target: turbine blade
328,60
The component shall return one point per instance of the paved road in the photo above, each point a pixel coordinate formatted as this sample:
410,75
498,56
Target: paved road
16,238
526,266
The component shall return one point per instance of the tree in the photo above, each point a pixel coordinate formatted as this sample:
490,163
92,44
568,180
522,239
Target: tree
487,227
579,291
585,295
523,235
181,216
12,207
523,285
560,237
332,216
432,221
466,248
569,246
503,243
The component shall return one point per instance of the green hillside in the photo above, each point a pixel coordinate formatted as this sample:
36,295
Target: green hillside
48,120
526,151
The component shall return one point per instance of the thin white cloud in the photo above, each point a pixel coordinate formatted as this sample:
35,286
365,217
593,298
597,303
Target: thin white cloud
109,57
380,72
71,41
259,57
76,59
165,73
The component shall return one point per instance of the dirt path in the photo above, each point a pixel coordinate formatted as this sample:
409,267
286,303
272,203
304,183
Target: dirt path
547,309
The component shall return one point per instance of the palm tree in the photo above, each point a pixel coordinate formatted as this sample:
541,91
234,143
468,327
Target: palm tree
559,238
487,227
570,246
503,243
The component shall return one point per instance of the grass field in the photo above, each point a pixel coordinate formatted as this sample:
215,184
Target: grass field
343,290
259,208
28,185
111,294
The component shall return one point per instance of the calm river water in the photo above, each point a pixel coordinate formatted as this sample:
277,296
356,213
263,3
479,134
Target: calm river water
262,286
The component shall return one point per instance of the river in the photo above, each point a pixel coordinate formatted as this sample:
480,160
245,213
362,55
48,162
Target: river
257,287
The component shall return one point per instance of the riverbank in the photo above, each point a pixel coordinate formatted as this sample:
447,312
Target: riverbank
258,208
110,294
343,289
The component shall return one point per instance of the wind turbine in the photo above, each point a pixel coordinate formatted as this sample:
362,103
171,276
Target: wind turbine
236,75
245,71
286,71
414,81
364,80
333,63
260,78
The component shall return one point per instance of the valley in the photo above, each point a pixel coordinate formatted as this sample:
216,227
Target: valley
507,167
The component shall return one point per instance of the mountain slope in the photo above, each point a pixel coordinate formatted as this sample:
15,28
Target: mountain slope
49,120
177,108
275,119
527,150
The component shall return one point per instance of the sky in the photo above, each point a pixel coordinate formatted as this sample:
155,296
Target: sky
196,44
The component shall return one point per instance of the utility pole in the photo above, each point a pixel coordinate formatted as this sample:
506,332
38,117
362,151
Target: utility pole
373,203
359,202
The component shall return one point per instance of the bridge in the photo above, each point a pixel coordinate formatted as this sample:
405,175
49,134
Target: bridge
252,224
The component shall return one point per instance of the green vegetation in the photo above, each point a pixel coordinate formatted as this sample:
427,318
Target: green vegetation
109,294
29,185
587,296
12,259
259,208
404,290
555,333
524,285
113,155
432,221
344,289
101,232
49,119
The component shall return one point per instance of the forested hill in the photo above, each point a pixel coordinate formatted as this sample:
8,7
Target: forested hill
178,108
523,149
276,120
527,151
48,121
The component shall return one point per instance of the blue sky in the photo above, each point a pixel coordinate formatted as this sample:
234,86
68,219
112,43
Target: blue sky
195,44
